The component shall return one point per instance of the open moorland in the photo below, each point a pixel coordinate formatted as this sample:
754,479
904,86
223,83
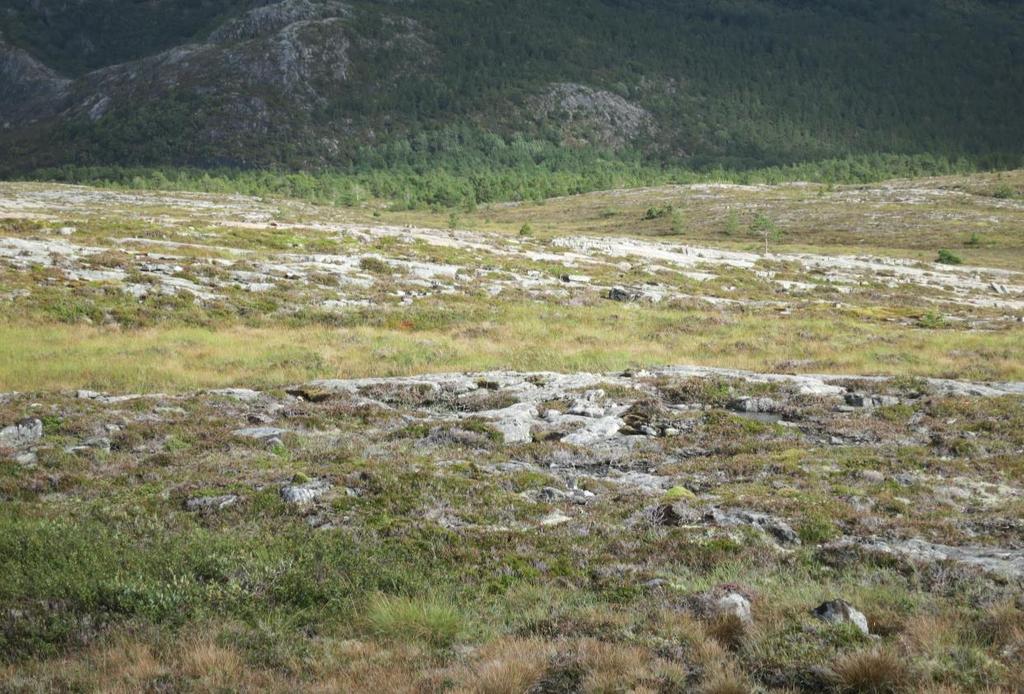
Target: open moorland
708,438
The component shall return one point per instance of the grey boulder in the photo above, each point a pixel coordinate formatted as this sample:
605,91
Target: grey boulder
22,434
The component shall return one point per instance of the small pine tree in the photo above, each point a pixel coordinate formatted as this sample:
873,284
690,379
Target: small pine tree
765,228
732,223
678,223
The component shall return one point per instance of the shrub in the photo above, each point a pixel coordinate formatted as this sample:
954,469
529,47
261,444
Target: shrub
1004,192
374,265
678,493
931,320
947,257
658,212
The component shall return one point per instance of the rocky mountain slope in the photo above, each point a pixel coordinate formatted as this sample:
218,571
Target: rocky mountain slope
364,83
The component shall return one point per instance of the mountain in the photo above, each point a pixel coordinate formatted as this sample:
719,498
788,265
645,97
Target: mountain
374,84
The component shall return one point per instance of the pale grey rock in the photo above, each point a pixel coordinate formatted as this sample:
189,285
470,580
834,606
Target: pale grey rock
240,394
734,605
640,481
306,493
94,443
600,117
22,434
595,431
514,423
274,17
26,458
589,405
873,476
211,503
754,405
1005,563
573,495
554,518
842,612
870,401
779,530
260,433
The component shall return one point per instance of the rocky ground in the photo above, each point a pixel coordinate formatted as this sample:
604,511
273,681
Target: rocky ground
650,528
347,264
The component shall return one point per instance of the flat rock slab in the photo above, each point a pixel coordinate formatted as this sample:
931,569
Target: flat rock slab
1006,563
211,503
260,433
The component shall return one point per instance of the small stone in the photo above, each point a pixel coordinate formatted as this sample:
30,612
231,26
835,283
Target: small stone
620,294
842,612
734,605
551,494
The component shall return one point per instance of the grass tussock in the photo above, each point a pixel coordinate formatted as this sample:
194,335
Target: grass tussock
425,620
507,666
876,671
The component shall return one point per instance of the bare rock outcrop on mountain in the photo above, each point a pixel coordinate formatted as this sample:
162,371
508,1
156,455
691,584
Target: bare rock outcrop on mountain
273,17
29,90
593,116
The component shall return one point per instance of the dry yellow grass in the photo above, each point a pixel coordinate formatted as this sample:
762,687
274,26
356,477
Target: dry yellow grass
36,358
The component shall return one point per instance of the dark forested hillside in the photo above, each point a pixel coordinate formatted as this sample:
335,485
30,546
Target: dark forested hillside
464,85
